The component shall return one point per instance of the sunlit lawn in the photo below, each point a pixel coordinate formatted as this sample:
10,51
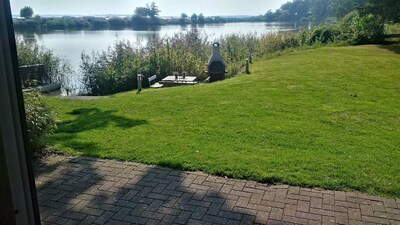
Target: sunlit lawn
328,117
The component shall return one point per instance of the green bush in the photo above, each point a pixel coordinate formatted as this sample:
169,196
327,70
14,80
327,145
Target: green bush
31,53
321,35
272,43
368,29
116,69
110,71
392,28
40,118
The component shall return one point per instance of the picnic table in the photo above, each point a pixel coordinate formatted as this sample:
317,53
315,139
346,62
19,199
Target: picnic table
180,80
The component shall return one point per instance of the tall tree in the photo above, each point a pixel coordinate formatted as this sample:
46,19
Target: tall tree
320,9
387,9
296,10
26,12
201,19
184,18
142,11
343,7
193,18
153,10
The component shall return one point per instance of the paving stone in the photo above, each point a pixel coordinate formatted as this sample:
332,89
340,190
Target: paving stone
84,190
276,214
316,202
290,210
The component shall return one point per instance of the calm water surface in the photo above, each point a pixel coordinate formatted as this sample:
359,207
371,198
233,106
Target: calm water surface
70,44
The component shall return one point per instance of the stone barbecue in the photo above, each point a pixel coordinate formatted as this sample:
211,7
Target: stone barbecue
216,65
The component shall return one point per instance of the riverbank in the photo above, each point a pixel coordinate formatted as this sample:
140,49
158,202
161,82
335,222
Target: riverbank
326,117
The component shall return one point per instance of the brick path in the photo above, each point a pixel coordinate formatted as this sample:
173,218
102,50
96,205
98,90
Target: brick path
91,191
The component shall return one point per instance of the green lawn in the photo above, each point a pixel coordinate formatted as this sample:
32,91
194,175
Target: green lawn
328,117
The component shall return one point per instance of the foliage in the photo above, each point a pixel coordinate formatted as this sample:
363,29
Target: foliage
201,19
146,16
295,10
367,29
153,10
388,10
30,52
344,7
321,10
309,118
26,12
40,118
272,43
96,22
299,10
392,28
117,23
115,70
184,18
110,71
194,18
322,35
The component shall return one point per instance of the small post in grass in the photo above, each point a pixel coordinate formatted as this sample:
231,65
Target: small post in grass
247,66
251,58
139,82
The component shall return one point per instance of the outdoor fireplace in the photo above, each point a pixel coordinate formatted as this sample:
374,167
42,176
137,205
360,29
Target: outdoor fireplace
216,65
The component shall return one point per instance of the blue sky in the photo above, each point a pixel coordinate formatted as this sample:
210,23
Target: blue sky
168,7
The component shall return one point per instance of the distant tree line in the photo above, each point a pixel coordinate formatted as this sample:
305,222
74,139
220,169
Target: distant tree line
320,10
143,17
292,11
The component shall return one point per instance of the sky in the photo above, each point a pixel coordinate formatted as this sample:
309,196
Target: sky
167,7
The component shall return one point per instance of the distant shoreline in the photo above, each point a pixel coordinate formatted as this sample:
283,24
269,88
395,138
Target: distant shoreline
116,23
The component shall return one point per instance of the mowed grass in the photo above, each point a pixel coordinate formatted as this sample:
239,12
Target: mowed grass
328,117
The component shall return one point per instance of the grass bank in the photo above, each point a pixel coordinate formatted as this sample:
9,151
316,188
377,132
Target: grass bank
328,117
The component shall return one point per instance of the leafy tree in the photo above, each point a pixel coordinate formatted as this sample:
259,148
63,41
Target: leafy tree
201,19
321,9
269,16
146,16
26,12
153,10
142,11
116,22
344,7
389,10
194,18
184,18
296,10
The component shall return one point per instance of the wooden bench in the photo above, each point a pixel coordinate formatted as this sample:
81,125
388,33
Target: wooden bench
155,84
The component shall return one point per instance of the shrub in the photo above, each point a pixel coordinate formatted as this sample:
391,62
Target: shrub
31,53
392,28
110,71
321,35
40,118
280,41
368,29
117,23
116,69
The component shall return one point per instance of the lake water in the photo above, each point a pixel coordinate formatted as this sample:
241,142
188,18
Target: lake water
70,44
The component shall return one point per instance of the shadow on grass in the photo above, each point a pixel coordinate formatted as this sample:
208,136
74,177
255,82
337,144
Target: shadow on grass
93,118
393,48
88,119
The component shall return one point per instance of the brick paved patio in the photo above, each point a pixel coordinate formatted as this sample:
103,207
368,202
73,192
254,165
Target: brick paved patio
92,191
